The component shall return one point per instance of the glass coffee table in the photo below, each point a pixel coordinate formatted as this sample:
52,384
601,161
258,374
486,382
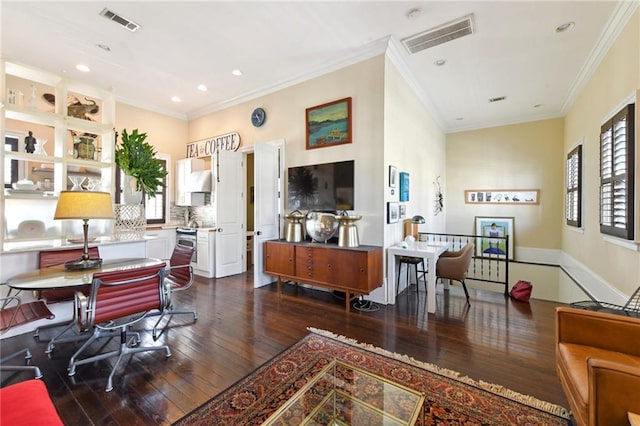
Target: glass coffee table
342,394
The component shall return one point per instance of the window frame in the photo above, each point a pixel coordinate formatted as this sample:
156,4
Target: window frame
166,159
608,180
574,187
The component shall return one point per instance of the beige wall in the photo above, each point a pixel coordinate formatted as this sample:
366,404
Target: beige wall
415,144
519,156
285,109
166,134
615,82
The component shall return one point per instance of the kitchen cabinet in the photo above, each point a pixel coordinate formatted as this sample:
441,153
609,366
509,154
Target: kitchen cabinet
160,243
73,124
353,270
184,168
205,253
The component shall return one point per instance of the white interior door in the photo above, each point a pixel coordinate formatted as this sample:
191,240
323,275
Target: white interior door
230,240
268,175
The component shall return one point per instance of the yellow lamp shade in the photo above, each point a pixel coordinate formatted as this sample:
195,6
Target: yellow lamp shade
84,205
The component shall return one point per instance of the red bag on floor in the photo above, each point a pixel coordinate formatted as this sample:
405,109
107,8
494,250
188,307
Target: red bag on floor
521,291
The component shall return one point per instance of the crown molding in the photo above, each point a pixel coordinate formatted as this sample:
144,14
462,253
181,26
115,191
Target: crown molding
375,48
395,54
619,19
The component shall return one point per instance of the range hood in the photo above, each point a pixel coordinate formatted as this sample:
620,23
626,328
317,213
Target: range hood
199,181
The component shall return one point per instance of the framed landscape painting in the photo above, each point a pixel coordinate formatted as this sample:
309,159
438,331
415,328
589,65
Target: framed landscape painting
329,124
492,233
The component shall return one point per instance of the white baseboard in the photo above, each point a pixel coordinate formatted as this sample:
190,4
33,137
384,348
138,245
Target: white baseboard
596,286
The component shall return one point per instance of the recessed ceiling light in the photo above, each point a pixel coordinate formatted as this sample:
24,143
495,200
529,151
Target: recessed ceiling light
236,72
202,88
104,47
440,62
414,13
176,99
565,27
83,68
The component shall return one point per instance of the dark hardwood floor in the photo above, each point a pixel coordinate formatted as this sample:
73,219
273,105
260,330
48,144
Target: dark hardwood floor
239,328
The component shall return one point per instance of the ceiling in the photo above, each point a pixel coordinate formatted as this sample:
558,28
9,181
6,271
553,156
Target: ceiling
514,51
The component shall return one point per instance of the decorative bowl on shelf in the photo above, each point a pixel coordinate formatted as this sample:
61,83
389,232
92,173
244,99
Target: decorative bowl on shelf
321,226
45,185
24,185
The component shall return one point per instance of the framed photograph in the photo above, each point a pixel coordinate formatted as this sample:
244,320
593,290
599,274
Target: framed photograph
403,211
393,212
329,124
502,196
491,241
404,186
393,176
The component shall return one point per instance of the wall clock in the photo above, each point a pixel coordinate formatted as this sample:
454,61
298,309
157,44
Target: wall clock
258,116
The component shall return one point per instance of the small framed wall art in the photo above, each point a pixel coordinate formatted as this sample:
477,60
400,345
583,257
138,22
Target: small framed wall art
492,233
393,212
329,124
393,176
404,186
502,196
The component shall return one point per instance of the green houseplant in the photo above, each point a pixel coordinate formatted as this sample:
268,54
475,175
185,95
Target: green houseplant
136,158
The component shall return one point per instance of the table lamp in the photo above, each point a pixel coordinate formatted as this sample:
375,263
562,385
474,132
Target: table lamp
84,205
415,221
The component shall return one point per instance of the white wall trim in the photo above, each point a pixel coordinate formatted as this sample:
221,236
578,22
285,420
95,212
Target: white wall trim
538,255
593,284
596,286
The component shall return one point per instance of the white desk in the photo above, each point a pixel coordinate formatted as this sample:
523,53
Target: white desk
429,252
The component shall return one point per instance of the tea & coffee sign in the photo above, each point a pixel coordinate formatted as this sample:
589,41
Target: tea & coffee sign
207,147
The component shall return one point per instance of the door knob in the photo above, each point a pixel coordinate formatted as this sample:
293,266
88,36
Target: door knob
258,232
219,229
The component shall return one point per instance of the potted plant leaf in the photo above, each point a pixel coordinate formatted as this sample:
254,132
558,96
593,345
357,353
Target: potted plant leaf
136,158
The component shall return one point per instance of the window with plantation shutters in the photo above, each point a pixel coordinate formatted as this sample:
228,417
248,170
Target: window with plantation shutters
617,174
573,202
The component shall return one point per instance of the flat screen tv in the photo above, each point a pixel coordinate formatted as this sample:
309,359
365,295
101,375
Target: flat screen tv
326,186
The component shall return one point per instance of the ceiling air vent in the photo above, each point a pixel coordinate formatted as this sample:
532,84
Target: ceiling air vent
498,99
442,34
130,25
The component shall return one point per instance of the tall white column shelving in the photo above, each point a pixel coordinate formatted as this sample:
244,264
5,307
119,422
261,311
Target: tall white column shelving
22,212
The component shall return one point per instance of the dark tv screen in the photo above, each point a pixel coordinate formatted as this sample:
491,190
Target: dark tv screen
326,186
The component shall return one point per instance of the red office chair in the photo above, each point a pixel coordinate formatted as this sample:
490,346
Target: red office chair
55,295
117,300
179,277
13,314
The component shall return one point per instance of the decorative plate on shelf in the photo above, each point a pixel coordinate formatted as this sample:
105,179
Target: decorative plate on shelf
31,229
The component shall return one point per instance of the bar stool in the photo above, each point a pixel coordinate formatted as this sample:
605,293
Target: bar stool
415,261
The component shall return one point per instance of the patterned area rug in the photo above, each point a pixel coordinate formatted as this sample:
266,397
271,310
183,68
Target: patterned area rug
450,399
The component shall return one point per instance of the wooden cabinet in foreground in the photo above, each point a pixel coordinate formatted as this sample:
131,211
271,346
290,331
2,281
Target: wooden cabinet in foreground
354,270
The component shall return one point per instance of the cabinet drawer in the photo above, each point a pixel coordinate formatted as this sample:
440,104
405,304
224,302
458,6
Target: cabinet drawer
278,258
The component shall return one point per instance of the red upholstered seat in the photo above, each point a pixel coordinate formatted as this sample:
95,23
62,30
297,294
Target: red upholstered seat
27,403
58,257
23,313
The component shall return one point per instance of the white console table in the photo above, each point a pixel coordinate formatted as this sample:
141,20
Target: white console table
430,252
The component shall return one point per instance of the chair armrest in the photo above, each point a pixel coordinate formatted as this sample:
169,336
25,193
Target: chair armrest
450,253
598,329
614,390
81,303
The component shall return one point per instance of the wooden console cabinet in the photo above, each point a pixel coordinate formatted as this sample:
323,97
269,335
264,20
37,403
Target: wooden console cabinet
353,270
